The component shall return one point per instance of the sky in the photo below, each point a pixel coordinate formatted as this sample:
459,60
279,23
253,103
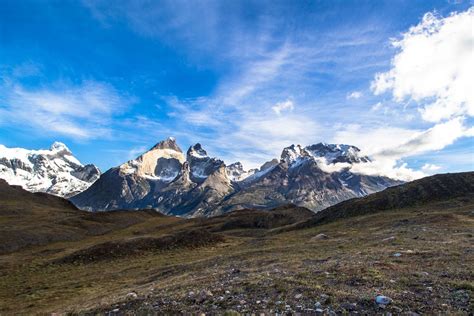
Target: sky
243,78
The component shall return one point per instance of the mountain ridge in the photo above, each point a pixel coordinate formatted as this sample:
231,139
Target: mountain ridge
194,184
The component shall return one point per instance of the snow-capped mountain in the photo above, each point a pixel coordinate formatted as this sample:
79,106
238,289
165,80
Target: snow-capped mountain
192,185
237,173
316,176
54,170
162,178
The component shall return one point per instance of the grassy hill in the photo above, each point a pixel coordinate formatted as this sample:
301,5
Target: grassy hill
412,243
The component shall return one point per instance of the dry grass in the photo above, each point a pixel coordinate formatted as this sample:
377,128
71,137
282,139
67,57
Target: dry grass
433,274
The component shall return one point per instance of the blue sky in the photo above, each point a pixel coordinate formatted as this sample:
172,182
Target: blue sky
244,78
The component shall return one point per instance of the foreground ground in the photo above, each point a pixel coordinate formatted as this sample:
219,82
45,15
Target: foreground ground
421,257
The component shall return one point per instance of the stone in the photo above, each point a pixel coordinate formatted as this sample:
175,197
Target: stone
324,298
298,296
382,300
397,254
320,237
131,295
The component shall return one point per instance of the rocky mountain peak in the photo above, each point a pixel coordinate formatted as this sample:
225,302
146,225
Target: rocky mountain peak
196,151
169,143
236,172
334,153
291,153
201,165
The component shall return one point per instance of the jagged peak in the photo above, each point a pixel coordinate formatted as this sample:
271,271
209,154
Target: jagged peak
197,151
169,143
334,153
268,164
291,153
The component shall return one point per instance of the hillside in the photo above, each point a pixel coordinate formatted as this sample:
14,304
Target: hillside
39,218
418,253
441,187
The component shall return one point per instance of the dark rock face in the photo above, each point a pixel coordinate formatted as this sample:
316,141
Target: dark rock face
200,164
197,185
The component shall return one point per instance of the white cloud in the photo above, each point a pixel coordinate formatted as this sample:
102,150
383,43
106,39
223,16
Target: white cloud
433,66
428,167
283,106
435,138
376,106
354,95
82,111
373,139
388,146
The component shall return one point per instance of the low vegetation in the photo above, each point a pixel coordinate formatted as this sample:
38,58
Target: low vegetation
419,256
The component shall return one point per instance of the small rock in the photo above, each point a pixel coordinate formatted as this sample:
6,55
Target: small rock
227,292
204,294
397,309
349,306
392,281
116,310
317,305
258,302
320,237
324,298
131,295
298,296
319,311
397,254
382,300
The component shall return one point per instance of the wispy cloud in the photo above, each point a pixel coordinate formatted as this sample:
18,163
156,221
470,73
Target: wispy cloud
354,95
79,111
283,106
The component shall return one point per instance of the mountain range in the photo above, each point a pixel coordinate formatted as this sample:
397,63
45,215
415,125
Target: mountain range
54,170
192,184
